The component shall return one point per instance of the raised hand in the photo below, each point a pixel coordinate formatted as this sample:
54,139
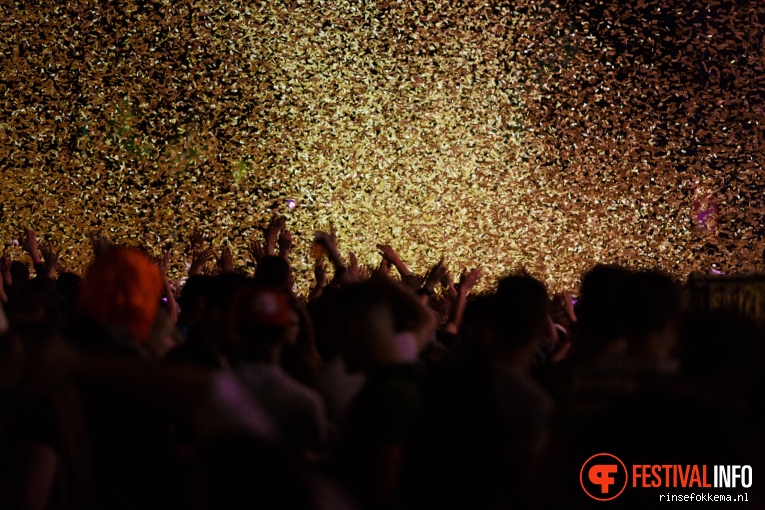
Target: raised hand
384,267
320,273
326,239
271,233
285,244
388,253
434,276
413,281
226,260
50,258
328,243
446,278
30,245
197,241
447,282
391,256
468,280
365,272
198,261
256,251
353,267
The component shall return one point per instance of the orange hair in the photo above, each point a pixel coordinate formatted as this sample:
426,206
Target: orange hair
122,287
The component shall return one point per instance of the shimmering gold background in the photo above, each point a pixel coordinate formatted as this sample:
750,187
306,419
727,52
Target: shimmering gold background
551,136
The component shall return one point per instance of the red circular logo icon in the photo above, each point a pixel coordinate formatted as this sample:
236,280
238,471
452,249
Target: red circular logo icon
603,477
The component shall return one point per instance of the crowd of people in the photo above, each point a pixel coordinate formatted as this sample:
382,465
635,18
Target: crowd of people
380,389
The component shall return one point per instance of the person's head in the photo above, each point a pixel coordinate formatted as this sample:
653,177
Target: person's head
219,292
274,272
193,299
122,288
19,273
475,332
654,304
39,288
260,323
68,286
602,308
518,318
365,325
36,302
628,312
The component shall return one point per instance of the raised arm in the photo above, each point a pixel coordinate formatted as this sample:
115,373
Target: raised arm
285,244
353,267
272,232
29,244
329,244
447,283
433,277
50,260
392,257
226,260
320,273
199,255
468,280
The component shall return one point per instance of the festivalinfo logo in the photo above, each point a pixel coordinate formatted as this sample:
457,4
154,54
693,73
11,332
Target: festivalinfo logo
604,477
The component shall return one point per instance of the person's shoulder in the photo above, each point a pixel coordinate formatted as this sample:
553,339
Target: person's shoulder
293,387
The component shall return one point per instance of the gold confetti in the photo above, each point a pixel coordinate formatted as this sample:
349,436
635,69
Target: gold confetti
546,136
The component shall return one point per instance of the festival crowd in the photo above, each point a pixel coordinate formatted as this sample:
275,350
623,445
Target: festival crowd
379,389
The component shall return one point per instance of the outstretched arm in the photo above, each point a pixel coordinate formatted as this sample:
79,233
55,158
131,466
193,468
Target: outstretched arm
468,279
199,255
50,260
447,283
226,260
431,280
329,244
320,273
285,244
29,244
272,232
392,257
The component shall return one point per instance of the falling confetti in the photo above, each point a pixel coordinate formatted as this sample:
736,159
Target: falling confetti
542,135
